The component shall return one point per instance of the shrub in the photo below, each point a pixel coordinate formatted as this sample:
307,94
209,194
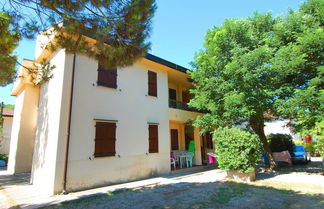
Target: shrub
4,157
237,149
281,142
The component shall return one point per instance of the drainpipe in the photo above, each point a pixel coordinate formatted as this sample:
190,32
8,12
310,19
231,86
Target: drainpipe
66,160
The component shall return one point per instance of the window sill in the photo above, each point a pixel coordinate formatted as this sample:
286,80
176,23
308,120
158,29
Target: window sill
107,87
102,157
149,96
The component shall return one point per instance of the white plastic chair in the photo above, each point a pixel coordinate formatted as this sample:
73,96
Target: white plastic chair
189,158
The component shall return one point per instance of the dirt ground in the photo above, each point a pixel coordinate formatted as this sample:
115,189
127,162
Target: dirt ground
298,186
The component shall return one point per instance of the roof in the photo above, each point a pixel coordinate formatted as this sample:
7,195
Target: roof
153,58
7,112
165,62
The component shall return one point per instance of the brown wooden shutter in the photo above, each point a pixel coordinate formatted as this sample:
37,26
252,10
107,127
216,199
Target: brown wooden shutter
174,139
152,83
105,141
107,77
153,139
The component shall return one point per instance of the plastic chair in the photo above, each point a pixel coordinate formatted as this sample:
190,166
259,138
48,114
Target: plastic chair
191,146
189,158
173,160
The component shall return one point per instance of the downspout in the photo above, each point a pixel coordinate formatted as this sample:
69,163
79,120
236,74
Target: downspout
66,160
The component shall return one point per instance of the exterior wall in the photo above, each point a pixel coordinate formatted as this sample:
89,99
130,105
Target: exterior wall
182,115
23,130
133,109
6,132
50,139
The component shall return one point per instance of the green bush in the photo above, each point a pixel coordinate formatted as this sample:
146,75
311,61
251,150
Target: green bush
237,149
281,142
4,157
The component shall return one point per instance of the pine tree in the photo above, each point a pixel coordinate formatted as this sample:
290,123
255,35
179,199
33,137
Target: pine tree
120,27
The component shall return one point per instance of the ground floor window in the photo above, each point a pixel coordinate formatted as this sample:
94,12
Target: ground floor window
153,138
105,141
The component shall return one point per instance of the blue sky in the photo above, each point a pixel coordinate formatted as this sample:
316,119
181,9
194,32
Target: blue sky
179,27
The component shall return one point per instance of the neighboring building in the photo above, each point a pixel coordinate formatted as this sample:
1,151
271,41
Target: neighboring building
123,122
7,118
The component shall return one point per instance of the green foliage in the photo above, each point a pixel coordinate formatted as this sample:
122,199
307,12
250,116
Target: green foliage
319,134
9,106
237,149
4,157
259,65
299,142
9,41
281,142
120,28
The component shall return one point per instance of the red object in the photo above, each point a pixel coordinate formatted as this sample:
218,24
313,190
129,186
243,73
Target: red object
308,139
211,159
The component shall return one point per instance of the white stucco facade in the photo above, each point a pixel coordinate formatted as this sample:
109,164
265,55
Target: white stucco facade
128,105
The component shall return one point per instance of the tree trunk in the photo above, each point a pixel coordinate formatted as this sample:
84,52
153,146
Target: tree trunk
257,125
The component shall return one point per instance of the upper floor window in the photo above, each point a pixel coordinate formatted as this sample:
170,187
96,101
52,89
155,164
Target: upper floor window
105,141
152,83
107,77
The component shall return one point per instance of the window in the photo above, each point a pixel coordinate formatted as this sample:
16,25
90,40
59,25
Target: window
153,139
209,141
105,140
107,77
172,98
174,139
152,84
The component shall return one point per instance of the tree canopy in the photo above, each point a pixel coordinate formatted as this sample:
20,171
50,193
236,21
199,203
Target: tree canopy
261,68
120,27
9,41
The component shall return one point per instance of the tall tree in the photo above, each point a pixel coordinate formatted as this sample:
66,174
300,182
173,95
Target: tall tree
253,68
9,41
120,27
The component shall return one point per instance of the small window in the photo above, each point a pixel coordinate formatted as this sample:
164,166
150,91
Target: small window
107,77
153,139
152,84
105,141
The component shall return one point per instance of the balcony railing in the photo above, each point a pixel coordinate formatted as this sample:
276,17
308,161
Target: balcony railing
182,106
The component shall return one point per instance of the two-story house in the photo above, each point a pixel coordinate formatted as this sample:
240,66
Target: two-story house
88,126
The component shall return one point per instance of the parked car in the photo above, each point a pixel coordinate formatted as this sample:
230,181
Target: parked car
301,154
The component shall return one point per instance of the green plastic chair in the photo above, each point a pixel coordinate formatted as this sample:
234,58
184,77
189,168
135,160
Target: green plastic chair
191,147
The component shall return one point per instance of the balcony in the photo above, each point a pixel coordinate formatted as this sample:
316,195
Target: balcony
183,106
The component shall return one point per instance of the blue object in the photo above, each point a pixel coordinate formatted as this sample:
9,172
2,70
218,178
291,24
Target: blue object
2,163
265,158
300,153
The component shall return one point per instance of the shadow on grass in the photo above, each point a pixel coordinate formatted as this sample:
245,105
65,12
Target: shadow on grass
198,195
313,167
